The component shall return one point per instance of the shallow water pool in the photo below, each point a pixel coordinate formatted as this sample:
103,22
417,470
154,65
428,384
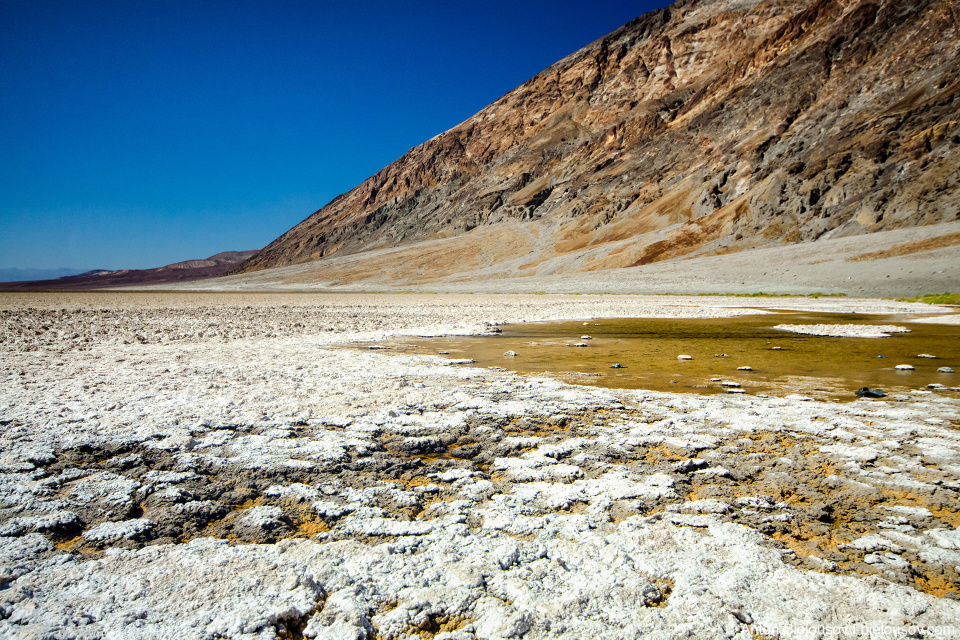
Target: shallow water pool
781,362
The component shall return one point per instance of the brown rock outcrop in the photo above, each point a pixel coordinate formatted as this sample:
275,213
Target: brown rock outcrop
706,127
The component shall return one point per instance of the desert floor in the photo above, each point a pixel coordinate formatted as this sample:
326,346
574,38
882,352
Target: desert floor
201,465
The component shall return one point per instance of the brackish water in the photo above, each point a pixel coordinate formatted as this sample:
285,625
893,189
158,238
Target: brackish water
782,362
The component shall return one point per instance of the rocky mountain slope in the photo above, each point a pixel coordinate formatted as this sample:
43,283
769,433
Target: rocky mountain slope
707,127
186,271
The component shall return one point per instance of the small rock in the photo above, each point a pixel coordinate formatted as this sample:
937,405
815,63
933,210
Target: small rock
715,379
586,337
578,344
700,507
866,392
422,445
713,472
935,386
730,384
262,524
692,464
926,355
744,368
112,532
616,365
776,348
762,502
720,355
510,354
684,357
651,595
736,391
944,370
904,367
742,616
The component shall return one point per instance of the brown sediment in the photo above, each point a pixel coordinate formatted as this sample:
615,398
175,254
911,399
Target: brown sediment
936,584
907,248
310,528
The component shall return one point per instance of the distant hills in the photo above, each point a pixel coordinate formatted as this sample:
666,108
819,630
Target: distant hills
185,271
705,128
16,275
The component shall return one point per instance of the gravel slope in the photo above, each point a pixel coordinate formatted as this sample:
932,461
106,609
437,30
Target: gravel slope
905,262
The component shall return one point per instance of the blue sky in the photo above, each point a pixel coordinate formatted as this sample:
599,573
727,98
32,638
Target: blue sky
139,133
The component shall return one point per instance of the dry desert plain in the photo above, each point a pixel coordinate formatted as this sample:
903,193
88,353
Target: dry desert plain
203,465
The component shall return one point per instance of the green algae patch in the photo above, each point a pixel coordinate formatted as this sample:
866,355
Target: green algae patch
935,298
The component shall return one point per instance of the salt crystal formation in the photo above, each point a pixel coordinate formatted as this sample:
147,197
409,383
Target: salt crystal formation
261,481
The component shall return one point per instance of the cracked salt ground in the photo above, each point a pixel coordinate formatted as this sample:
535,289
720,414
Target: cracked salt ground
266,488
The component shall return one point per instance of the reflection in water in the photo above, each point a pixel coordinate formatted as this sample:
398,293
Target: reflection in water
723,352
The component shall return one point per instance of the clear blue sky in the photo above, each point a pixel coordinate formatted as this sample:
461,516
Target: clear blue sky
138,133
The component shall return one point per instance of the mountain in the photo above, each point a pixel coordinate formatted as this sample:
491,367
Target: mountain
12,274
707,127
186,271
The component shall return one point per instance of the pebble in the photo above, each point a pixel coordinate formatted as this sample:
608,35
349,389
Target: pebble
684,357
510,354
904,367
744,368
944,370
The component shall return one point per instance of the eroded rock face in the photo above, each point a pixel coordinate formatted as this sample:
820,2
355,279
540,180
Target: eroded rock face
705,127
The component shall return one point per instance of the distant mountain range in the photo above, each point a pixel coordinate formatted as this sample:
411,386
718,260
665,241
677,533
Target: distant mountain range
707,127
16,275
185,271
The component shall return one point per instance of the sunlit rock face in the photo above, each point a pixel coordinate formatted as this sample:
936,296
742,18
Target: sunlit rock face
706,127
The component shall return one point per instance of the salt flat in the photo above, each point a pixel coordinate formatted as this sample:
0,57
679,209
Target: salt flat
220,465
